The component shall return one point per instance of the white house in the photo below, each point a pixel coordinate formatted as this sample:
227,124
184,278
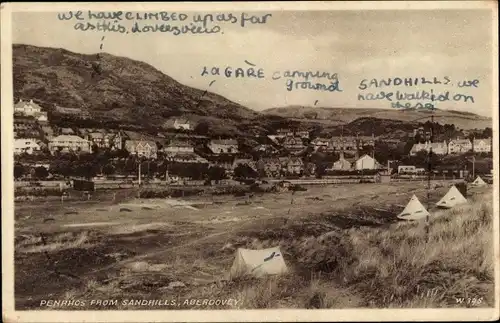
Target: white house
458,146
25,145
438,148
406,169
178,146
66,143
27,108
227,146
367,162
482,145
182,124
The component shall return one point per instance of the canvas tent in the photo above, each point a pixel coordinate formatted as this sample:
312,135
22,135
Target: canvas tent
258,263
414,210
452,198
478,182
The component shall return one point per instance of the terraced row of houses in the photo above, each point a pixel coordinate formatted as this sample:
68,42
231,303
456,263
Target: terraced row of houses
456,146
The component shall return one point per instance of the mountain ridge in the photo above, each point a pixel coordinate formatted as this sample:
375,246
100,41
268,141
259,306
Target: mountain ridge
337,116
113,87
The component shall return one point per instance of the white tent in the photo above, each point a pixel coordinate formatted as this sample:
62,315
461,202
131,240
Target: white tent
478,182
452,198
258,263
414,210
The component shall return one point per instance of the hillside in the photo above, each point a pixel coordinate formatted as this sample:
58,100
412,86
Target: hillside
113,88
336,116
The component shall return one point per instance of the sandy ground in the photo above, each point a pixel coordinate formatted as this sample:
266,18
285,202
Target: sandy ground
61,247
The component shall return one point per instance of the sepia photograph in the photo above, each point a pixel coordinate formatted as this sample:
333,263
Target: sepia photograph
310,161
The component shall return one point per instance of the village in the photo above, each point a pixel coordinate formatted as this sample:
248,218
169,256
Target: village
181,154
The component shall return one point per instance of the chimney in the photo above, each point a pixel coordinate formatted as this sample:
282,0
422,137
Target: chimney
341,154
31,101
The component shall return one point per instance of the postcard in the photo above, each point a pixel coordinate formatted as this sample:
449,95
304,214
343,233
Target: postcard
250,161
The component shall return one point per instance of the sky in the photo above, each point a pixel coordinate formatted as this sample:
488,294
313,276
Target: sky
356,45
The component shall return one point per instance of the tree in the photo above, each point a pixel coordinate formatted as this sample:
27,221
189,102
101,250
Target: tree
244,171
202,128
108,169
41,172
19,171
216,173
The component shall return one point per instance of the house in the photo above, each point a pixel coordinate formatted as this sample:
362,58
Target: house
342,163
67,143
27,108
285,132
223,146
115,140
142,148
182,124
272,166
482,145
302,134
406,169
367,162
186,157
30,108
351,142
438,148
267,149
97,138
64,110
67,131
105,140
178,146
292,165
342,143
320,144
293,144
178,124
24,122
459,146
26,145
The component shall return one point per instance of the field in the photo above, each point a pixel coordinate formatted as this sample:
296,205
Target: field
342,244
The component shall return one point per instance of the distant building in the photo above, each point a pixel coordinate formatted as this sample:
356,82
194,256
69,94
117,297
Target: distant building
72,111
68,143
320,143
482,145
406,169
178,124
27,108
26,145
350,142
367,162
105,140
67,131
438,148
142,148
342,163
272,167
459,146
292,165
30,108
268,149
293,143
178,146
182,124
186,157
223,146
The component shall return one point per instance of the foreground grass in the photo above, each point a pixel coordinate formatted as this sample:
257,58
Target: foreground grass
397,265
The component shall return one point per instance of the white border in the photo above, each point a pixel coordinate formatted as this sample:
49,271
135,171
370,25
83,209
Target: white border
9,314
